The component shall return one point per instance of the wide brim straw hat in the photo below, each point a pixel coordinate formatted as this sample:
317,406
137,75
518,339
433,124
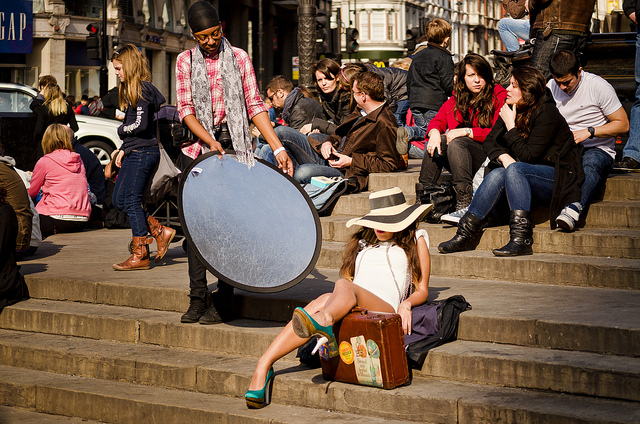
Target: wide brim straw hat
390,211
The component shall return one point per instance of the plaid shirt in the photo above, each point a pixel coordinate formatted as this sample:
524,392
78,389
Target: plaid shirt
185,101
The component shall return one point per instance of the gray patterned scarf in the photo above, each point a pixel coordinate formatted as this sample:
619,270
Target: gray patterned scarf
234,100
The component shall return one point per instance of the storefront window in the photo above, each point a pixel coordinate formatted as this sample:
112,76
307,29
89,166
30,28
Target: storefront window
88,8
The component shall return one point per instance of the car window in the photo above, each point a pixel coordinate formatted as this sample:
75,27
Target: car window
14,101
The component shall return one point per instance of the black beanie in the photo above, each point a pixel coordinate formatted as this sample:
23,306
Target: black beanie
202,15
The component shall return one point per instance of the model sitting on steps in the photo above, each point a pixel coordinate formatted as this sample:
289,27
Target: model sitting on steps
382,263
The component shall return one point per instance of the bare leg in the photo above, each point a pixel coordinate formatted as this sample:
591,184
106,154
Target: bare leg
345,297
285,342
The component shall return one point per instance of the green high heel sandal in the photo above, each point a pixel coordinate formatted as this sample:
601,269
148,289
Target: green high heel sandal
304,326
257,399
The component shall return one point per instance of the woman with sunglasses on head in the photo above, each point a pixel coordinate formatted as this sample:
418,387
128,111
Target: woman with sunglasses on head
455,135
335,97
536,159
138,155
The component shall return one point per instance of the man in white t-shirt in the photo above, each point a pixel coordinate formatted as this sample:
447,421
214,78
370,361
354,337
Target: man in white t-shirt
596,117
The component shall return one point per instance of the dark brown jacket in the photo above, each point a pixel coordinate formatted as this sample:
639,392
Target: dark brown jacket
515,8
572,15
370,142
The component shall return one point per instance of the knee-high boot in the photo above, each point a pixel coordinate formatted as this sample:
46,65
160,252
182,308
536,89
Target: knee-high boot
162,234
521,233
140,257
467,236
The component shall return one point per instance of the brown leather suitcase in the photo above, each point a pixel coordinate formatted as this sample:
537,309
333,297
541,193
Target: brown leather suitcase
369,351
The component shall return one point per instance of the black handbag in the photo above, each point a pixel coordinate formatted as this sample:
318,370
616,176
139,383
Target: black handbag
443,198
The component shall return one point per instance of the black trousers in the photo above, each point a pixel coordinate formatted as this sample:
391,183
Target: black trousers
50,226
462,157
197,270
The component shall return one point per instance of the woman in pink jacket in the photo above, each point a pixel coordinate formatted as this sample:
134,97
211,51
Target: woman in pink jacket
64,206
455,135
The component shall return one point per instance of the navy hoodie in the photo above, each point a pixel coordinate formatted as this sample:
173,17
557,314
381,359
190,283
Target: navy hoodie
139,129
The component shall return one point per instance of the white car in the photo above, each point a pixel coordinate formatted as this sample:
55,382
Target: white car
98,134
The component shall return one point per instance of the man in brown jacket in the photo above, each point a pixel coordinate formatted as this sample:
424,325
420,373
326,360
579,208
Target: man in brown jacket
362,144
558,25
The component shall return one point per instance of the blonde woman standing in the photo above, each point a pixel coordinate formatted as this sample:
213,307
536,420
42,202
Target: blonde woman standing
139,154
54,110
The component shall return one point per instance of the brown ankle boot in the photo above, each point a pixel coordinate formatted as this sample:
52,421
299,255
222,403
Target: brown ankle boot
162,234
140,257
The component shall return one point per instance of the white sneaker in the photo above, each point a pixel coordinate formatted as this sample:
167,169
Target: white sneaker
454,217
569,216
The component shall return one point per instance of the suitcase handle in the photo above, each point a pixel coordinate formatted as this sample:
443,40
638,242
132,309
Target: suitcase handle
361,311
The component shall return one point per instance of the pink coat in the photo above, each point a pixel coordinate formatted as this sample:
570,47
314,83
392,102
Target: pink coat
62,177
446,119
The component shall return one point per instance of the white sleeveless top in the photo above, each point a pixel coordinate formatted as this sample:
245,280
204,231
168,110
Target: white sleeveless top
383,269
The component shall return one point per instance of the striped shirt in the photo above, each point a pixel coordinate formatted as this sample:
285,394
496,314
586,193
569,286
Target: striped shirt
185,101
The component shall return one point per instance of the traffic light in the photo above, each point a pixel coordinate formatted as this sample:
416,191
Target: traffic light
352,45
412,39
323,34
94,41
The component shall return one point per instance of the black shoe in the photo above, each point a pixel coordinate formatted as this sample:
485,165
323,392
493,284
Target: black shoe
521,235
210,317
197,308
627,164
353,186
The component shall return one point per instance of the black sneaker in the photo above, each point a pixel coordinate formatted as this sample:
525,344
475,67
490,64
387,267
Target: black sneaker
210,317
197,308
627,164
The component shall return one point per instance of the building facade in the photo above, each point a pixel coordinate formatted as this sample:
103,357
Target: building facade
158,27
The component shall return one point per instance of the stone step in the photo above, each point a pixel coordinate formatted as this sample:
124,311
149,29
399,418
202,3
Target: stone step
548,316
616,243
10,415
544,369
541,268
624,186
555,370
126,403
605,214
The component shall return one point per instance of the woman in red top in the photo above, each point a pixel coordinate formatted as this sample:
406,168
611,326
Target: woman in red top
455,135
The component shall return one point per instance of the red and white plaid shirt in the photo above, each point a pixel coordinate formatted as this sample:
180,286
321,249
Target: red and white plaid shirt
183,90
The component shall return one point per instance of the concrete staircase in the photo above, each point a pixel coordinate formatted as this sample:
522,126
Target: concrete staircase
552,338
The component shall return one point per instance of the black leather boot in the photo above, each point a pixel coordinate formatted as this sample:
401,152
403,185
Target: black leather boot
467,236
464,194
521,232
197,308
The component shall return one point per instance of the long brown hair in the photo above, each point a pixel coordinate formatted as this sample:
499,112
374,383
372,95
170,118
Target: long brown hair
482,103
136,69
532,85
405,239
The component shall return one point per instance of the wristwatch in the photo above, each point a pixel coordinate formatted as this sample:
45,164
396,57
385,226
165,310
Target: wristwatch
469,132
592,131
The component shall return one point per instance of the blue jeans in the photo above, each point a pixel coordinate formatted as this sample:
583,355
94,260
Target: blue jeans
415,152
632,148
597,164
511,30
544,48
401,112
521,181
421,121
137,168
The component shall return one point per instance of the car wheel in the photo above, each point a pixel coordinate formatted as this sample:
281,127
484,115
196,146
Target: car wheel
101,149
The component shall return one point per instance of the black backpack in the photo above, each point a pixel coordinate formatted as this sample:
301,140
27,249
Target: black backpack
433,324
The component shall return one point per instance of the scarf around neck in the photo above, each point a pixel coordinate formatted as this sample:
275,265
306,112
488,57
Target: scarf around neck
234,100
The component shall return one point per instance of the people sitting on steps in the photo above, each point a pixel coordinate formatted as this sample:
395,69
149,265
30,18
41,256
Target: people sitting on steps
455,135
596,117
536,159
364,143
296,109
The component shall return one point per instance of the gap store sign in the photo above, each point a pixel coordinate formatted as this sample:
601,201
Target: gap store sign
16,26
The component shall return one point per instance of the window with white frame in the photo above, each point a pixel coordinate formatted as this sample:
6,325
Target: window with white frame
378,25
